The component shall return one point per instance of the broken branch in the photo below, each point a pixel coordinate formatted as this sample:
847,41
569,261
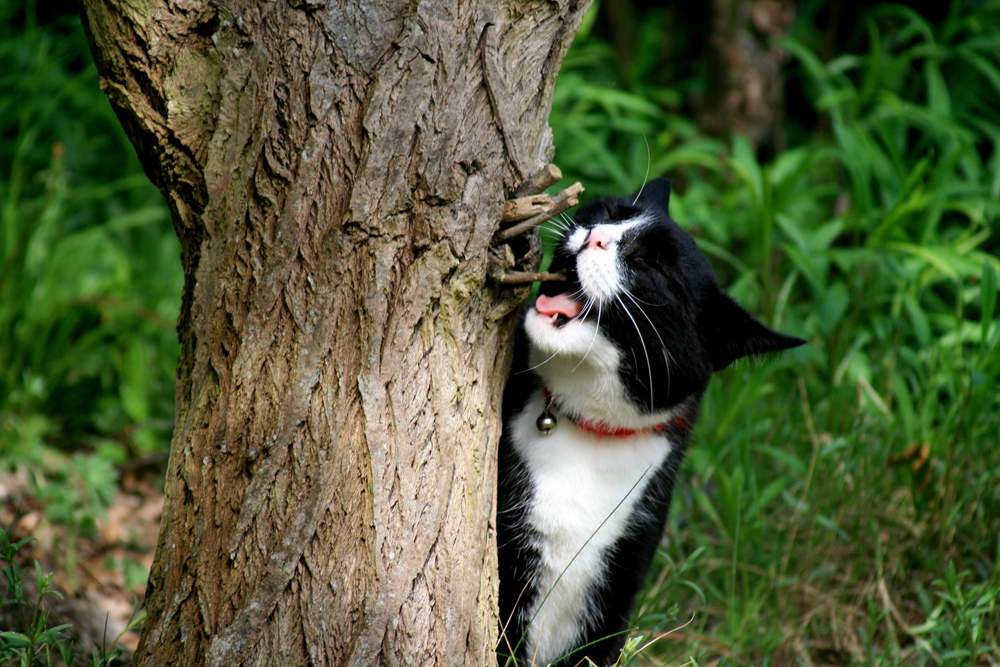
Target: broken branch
537,182
515,210
560,202
522,277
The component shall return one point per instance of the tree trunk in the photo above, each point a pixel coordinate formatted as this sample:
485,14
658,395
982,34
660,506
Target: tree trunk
336,171
746,70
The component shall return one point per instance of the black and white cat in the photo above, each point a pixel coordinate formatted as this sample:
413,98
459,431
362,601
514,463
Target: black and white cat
597,414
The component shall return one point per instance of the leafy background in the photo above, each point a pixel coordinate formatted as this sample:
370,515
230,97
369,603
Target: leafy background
840,504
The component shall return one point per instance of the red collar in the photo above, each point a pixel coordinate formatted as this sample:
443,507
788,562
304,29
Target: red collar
597,428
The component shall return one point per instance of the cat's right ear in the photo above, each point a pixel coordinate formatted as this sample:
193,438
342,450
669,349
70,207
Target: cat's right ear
656,193
732,333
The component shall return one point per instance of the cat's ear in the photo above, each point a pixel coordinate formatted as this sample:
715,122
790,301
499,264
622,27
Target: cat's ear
732,333
657,193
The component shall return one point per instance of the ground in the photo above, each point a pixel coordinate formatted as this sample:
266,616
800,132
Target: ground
101,567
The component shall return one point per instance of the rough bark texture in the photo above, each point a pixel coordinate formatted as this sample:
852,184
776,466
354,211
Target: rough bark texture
336,171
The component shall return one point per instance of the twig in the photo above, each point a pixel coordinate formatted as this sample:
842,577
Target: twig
522,208
560,202
537,182
524,277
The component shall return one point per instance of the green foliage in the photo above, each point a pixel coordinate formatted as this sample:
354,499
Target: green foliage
77,491
959,616
610,139
89,272
31,638
829,488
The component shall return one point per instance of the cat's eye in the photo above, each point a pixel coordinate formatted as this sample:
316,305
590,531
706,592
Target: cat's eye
648,261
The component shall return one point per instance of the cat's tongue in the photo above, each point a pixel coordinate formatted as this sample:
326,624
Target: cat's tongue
558,304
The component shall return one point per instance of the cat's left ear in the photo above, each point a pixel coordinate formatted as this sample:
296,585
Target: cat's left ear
732,333
657,193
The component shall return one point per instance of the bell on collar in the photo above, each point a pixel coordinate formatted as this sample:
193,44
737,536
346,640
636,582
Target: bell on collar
546,421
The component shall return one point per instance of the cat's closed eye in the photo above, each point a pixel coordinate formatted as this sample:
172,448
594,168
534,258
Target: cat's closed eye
648,259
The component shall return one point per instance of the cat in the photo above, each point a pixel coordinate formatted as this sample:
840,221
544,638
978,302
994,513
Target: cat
609,370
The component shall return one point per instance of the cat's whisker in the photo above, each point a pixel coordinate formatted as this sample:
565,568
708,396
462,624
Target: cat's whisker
552,235
597,329
553,356
637,300
649,365
649,161
663,345
669,360
555,224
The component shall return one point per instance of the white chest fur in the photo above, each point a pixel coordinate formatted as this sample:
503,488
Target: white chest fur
585,490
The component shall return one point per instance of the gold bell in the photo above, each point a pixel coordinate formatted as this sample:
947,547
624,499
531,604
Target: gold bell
546,422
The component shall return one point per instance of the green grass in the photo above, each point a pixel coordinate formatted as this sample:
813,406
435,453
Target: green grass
29,635
809,529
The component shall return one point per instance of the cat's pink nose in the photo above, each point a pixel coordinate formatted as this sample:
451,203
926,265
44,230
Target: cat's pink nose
598,239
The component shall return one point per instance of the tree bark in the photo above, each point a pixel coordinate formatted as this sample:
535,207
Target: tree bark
336,171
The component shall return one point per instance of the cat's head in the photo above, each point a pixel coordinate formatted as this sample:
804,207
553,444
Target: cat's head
641,324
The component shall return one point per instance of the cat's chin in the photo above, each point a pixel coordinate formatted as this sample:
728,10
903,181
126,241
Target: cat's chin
569,340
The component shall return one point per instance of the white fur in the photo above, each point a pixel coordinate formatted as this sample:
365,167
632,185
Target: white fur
580,367
579,479
600,269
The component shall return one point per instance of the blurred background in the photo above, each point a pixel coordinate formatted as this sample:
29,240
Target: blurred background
839,163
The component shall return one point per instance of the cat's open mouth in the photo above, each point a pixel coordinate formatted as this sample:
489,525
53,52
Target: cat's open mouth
560,308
